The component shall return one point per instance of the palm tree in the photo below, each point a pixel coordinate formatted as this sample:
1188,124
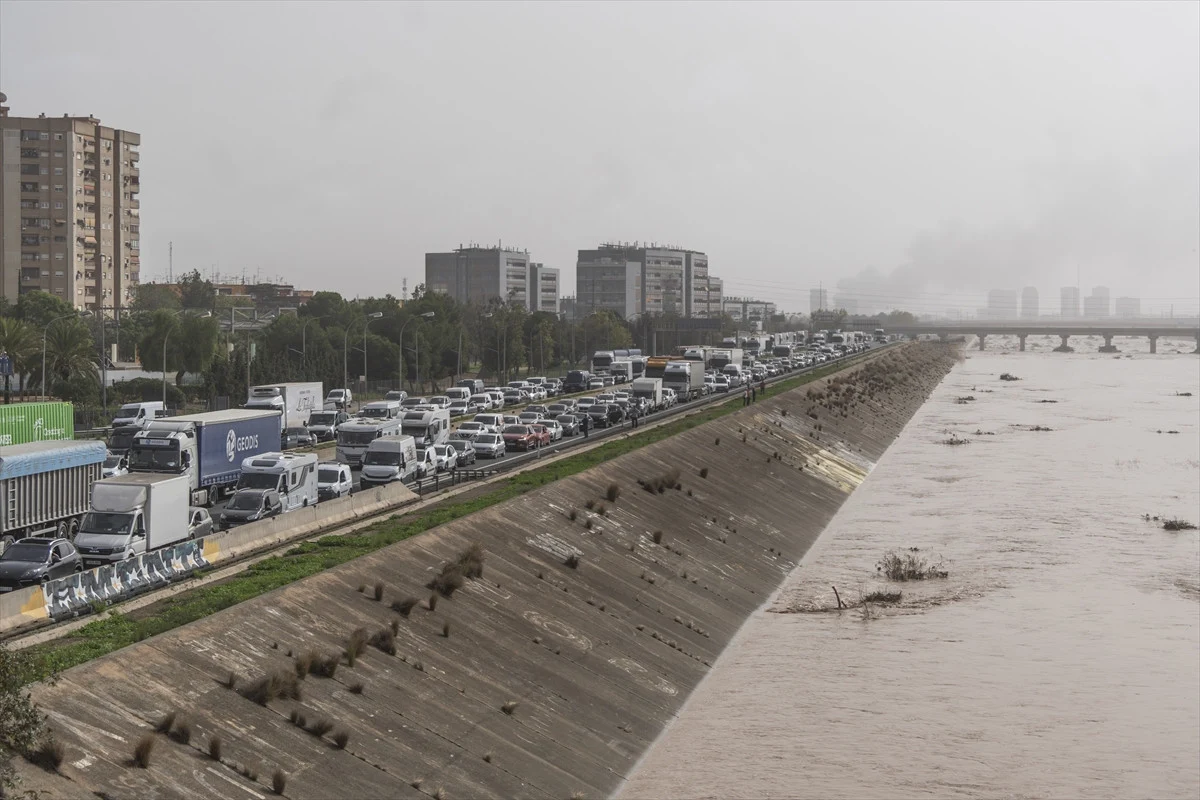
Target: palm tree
70,351
19,341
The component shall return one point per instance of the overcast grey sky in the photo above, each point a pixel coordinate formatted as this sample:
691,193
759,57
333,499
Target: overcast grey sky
950,148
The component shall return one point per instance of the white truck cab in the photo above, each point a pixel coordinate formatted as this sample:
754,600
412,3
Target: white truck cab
389,460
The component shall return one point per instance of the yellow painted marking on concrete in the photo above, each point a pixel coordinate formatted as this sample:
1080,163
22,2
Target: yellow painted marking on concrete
36,607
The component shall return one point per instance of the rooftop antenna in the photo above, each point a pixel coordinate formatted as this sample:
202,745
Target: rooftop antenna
404,289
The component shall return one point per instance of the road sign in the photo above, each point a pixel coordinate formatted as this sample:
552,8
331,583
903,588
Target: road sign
5,364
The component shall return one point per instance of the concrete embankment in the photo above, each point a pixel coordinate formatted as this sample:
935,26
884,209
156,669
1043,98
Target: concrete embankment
547,676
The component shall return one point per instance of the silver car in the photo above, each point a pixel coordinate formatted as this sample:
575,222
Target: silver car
489,445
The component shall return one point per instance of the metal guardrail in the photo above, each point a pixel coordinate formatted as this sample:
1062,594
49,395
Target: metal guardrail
448,479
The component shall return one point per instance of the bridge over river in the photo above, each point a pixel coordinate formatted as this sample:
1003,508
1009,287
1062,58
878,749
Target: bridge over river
1064,329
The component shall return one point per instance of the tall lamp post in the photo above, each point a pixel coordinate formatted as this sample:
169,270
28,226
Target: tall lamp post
400,366
346,349
167,335
46,330
304,337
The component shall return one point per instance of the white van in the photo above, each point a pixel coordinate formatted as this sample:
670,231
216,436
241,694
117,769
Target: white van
492,420
354,436
381,409
389,460
293,475
138,415
735,373
458,393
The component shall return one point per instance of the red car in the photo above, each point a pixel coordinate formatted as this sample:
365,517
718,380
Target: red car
542,433
518,437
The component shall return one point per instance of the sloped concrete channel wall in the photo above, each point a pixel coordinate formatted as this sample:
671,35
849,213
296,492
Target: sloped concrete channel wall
598,654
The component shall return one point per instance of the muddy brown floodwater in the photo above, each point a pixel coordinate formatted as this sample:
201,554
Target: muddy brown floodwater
1060,658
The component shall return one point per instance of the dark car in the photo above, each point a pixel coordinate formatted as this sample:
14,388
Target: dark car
601,415
251,505
518,437
323,425
569,423
35,560
296,436
464,452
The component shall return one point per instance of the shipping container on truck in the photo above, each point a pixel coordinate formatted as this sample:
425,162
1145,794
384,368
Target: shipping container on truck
685,378
294,401
21,423
45,486
719,358
133,514
208,447
657,365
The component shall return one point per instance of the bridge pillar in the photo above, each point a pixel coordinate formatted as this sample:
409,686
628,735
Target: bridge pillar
1108,345
1021,337
1064,347
982,340
1153,344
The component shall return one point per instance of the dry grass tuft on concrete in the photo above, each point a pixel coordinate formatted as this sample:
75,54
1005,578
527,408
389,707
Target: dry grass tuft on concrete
214,747
166,723
572,561
613,492
909,566
278,781
49,754
404,607
356,688
143,751
281,683
378,591
182,732
509,707
341,739
384,640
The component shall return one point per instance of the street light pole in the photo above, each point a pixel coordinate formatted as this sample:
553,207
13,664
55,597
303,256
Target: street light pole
400,366
367,322
304,338
46,330
346,349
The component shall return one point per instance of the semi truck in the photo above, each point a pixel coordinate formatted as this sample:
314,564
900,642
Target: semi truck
45,486
21,423
622,370
602,361
656,366
294,401
209,448
719,358
685,378
651,390
133,514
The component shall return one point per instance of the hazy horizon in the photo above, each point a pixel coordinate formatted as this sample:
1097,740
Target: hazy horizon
920,154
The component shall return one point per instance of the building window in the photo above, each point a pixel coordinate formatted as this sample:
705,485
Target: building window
58,204
44,136
58,137
58,170
44,204
58,256
44,171
58,187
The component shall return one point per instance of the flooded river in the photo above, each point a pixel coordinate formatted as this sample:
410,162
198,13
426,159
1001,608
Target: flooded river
1059,658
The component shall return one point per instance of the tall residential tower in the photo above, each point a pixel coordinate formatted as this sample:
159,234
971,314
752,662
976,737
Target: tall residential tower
69,211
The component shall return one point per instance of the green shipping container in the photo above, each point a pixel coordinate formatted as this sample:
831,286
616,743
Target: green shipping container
21,423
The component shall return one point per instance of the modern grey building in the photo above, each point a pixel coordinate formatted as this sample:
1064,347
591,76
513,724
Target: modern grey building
1029,303
1098,303
634,279
543,288
818,300
1068,302
744,310
1129,307
69,212
480,275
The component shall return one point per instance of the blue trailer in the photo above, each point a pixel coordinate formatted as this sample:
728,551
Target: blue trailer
210,447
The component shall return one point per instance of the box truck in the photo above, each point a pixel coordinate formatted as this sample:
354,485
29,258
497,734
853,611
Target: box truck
21,423
686,378
131,515
294,401
209,448
719,359
45,486
651,390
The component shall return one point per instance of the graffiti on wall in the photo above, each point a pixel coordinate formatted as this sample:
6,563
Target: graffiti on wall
83,592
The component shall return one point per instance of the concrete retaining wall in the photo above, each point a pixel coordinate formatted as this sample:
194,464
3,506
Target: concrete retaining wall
79,594
592,628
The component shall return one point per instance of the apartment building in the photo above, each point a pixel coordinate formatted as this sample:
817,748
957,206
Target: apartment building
633,279
818,300
1097,304
1129,307
480,275
69,211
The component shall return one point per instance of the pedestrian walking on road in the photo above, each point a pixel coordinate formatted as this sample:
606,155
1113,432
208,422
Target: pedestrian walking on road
587,425
633,415
753,395
746,397
762,387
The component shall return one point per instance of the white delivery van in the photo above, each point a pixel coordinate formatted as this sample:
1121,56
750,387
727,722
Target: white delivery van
138,415
381,409
389,460
293,475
